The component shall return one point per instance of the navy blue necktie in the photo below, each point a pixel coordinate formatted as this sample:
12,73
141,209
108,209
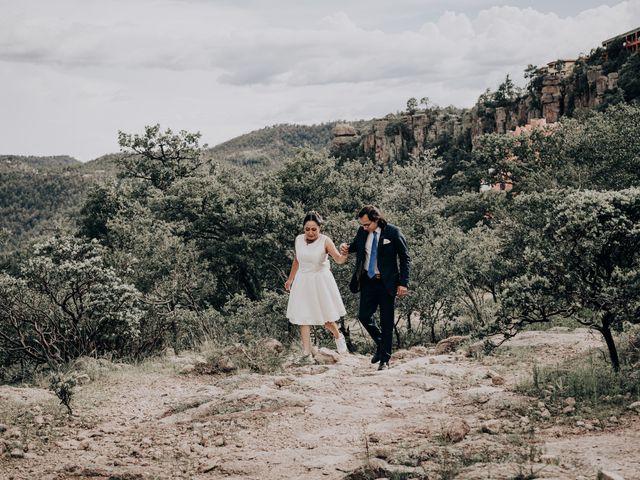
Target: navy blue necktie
374,250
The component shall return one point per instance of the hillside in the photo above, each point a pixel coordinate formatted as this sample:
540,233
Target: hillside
269,146
15,162
435,415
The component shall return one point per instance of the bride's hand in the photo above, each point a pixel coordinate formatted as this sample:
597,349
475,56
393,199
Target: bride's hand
287,285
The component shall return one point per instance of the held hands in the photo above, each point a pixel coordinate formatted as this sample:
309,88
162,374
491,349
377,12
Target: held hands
344,249
401,292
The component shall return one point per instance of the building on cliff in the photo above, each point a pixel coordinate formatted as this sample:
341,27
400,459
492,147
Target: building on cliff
630,40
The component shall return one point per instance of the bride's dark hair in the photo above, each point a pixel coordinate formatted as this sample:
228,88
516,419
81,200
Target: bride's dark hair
313,216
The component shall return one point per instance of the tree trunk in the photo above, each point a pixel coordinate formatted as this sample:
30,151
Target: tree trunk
611,345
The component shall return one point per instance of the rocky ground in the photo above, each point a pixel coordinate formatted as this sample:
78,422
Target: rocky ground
433,415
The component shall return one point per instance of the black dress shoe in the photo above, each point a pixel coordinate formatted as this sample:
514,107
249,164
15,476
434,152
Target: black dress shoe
383,366
376,357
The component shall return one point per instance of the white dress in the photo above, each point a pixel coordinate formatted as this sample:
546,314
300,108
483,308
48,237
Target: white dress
314,297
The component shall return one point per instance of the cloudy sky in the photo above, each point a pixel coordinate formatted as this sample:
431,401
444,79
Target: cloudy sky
74,72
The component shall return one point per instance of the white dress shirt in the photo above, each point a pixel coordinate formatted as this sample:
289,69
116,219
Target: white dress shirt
367,249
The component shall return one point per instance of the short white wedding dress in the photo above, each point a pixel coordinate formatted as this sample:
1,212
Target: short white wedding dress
314,297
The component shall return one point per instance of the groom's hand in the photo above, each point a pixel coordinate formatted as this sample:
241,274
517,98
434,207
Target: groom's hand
401,292
344,249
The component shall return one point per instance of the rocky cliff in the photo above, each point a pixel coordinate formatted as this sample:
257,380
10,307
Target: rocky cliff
559,89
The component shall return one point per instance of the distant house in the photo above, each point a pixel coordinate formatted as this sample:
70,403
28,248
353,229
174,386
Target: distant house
630,40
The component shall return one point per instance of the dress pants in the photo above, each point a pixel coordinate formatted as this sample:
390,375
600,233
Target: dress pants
374,295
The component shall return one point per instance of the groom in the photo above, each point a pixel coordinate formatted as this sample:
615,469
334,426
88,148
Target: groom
380,248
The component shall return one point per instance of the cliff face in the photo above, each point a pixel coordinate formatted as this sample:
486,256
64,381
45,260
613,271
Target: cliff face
562,89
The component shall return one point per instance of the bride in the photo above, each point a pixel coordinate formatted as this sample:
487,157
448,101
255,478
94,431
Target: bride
314,296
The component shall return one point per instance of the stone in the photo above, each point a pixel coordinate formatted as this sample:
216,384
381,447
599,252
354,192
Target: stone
570,402
82,379
449,344
545,413
568,410
497,380
492,427
455,430
634,406
187,369
225,365
17,453
273,345
219,442
607,475
324,356
209,466
344,129
282,382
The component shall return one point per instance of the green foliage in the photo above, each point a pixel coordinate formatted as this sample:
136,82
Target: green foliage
160,158
534,85
269,147
598,151
629,79
63,384
68,303
412,106
579,260
245,320
616,56
589,381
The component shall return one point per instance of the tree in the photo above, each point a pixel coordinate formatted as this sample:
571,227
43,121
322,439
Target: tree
426,101
412,106
629,79
160,158
579,258
506,94
68,303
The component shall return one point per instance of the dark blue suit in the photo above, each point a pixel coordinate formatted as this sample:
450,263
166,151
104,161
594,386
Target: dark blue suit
394,264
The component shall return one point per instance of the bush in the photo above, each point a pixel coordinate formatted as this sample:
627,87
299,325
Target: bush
68,304
590,381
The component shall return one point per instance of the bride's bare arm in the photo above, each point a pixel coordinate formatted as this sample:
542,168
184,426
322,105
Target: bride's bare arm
333,251
292,274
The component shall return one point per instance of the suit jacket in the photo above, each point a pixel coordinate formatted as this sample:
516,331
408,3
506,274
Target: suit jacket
392,250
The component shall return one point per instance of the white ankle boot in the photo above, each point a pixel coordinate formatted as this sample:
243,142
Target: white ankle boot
341,344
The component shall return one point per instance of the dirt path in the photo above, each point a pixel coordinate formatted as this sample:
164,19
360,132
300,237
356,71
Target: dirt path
429,416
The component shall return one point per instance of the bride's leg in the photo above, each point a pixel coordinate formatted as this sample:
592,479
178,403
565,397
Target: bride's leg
333,328
305,336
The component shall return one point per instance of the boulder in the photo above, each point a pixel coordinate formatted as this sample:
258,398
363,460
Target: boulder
634,406
273,345
455,430
607,475
450,344
324,356
344,130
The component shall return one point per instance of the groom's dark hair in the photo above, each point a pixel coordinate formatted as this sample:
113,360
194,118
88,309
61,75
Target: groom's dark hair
374,215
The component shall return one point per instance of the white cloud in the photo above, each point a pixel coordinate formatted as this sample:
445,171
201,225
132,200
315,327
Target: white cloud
225,67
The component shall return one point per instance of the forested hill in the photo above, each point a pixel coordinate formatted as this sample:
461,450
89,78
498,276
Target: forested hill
37,193
22,162
269,146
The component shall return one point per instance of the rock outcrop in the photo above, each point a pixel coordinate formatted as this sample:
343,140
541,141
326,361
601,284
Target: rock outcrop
563,89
